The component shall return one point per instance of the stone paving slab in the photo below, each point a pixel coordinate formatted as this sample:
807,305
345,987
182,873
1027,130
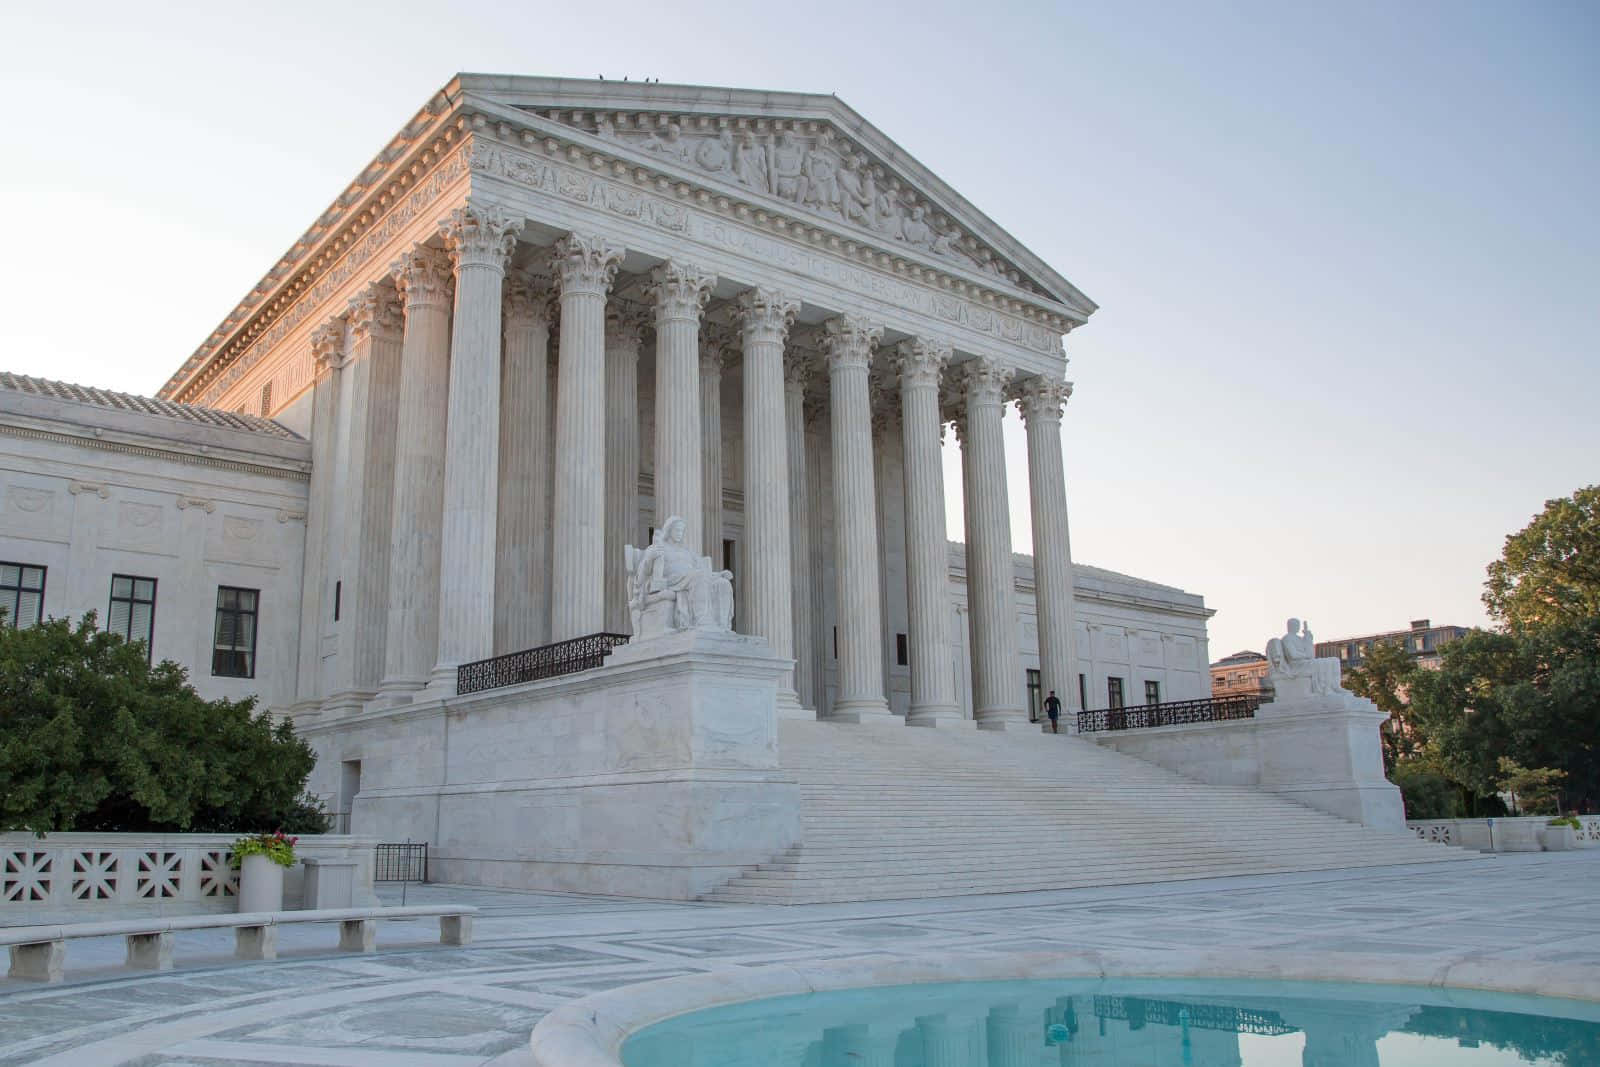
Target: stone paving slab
416,1004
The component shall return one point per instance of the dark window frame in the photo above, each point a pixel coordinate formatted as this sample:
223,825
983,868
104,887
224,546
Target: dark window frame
1152,691
11,595
1116,697
1035,687
133,600
226,656
902,650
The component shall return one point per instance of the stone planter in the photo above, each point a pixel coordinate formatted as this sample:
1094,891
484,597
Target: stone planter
1558,838
260,884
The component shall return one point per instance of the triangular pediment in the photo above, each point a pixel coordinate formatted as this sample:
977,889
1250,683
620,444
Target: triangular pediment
803,153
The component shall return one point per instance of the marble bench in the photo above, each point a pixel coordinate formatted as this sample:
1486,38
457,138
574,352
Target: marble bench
39,953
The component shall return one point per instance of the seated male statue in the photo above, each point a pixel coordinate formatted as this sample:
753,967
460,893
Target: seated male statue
671,587
1293,668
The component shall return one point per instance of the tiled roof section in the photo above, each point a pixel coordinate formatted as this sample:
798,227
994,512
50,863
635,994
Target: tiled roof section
145,405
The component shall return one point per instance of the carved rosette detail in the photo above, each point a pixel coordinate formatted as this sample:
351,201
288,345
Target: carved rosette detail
327,345
1042,398
424,277
766,314
680,290
527,300
375,314
585,263
984,381
481,236
920,361
850,340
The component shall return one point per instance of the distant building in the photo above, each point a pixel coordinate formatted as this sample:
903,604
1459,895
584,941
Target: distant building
1423,640
1241,674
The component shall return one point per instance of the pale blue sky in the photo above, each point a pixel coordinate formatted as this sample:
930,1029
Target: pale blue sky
1346,255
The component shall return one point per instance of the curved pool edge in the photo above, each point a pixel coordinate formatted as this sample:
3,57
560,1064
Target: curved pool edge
590,1032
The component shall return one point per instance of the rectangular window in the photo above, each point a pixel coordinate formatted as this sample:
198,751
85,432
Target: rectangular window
1035,698
338,596
835,642
266,400
133,609
727,554
233,653
902,655
1152,692
21,593
1083,693
1113,693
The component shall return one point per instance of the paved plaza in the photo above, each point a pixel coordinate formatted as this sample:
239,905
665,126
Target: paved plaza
414,1003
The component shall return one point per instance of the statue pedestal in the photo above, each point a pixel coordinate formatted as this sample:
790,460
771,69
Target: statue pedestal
1324,751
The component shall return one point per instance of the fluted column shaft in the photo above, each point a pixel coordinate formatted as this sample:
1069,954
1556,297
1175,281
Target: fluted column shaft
423,277
1011,1038
522,518
1041,404
764,318
794,393
991,583
328,359
711,462
480,241
585,267
376,323
946,1039
860,694
622,460
681,291
933,697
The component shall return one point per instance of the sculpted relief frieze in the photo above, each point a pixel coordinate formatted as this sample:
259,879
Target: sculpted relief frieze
603,193
806,163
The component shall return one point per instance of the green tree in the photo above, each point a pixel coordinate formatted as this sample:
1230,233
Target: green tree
1549,573
1532,696
1384,677
93,737
1534,790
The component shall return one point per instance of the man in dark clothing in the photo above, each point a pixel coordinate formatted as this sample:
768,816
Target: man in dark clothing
1052,708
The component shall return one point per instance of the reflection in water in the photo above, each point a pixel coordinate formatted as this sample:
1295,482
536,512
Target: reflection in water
1039,1024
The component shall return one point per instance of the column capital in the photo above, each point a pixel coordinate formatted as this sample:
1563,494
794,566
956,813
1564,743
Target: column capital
423,277
766,314
585,263
798,372
625,325
527,299
480,236
327,345
680,290
375,314
1042,399
984,381
850,340
920,361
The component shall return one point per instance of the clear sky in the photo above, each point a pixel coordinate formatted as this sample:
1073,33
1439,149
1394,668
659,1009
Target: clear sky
1347,256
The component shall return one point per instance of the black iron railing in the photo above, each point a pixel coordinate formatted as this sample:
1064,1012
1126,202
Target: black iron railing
1138,1011
401,863
532,664
1173,713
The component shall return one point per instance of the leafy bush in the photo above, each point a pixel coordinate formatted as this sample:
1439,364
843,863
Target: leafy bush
93,737
1428,794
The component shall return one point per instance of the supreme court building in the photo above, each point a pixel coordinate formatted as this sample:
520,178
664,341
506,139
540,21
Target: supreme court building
550,314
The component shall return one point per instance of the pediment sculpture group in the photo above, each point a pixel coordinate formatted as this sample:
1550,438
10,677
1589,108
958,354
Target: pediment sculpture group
672,588
821,175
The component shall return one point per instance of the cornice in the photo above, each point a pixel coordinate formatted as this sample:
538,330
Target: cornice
174,455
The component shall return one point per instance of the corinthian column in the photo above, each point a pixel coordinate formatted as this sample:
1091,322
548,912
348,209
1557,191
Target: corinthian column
623,330
860,698
522,519
796,374
991,583
585,267
680,292
933,697
711,348
328,359
1041,402
424,280
375,332
764,318
480,242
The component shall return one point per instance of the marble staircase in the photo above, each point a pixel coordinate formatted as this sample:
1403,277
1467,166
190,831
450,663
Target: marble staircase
894,812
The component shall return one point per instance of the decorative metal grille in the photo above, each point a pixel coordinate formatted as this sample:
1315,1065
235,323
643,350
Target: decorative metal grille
1138,1011
530,665
1173,713
401,863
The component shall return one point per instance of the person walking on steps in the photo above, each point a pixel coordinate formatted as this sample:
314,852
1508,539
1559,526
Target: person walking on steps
1052,708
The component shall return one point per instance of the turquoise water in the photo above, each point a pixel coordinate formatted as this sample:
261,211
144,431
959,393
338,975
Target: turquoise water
1133,1023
